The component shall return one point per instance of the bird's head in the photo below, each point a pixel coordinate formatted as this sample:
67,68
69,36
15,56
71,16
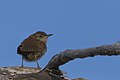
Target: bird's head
42,36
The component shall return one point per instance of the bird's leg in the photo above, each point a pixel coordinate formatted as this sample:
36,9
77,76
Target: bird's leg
38,65
22,62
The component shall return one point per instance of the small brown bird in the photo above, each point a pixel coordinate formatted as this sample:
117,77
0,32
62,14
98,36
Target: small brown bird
33,47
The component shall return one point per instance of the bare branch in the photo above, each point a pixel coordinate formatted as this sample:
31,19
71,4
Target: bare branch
68,55
28,73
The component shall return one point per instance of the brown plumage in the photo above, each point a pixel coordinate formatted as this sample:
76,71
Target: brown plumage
33,47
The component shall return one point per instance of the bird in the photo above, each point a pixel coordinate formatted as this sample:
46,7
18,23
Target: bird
33,47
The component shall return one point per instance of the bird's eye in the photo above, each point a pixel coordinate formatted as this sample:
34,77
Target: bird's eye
40,35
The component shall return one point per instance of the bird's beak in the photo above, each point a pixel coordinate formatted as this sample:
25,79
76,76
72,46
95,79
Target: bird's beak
49,35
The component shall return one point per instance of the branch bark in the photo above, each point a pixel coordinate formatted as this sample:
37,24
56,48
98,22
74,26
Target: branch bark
28,73
69,54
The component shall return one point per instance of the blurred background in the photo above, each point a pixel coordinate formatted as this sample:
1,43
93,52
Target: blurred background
76,24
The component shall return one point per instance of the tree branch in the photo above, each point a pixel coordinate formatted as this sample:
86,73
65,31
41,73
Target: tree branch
69,54
28,73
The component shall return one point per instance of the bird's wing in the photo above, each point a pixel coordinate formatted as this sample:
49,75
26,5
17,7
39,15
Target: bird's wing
29,45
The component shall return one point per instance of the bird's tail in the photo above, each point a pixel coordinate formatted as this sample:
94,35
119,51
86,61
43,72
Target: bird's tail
18,50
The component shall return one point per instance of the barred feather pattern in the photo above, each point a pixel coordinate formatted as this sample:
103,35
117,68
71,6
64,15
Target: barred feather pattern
32,49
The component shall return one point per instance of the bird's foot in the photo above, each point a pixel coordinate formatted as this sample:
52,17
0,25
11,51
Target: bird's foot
21,66
38,67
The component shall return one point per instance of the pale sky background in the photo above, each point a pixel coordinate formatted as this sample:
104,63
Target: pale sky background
76,24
